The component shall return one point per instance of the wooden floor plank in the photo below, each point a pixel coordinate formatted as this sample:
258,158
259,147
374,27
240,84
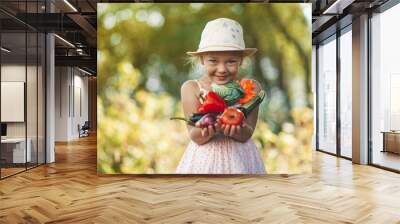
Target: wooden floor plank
70,191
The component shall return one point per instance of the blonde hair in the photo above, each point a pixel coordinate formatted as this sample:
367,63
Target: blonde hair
197,68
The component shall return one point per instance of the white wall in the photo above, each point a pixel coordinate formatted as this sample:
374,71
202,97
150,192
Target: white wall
71,88
13,73
62,81
80,115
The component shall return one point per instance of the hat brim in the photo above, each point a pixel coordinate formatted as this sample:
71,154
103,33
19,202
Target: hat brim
246,51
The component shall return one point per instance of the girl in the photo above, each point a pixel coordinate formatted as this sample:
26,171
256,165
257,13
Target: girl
219,149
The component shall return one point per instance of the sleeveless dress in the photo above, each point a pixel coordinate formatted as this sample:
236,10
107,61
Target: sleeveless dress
221,155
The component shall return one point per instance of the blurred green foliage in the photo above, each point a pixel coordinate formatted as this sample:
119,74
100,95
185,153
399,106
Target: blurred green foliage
142,65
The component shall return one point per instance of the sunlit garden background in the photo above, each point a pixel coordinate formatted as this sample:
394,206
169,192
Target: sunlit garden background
142,65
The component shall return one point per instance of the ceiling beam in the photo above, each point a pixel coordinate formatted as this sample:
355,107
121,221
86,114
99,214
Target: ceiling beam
320,22
49,22
337,7
83,61
86,26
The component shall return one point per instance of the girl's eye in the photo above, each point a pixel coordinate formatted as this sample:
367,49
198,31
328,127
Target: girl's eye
231,62
212,61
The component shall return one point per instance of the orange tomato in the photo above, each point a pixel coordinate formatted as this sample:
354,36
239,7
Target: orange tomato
231,116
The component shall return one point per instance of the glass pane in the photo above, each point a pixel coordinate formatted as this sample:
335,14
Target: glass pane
386,89
327,97
22,67
346,94
13,86
41,98
31,97
31,84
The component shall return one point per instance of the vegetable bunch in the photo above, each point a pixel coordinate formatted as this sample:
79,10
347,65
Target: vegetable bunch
228,104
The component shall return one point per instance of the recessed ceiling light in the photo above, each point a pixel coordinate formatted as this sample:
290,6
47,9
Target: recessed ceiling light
64,40
337,7
84,71
5,50
70,5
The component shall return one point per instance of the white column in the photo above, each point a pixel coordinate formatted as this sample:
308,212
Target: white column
360,90
50,93
62,103
50,100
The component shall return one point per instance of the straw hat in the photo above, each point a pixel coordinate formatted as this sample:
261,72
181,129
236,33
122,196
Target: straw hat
222,35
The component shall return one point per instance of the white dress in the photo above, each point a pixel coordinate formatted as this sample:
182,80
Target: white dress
221,155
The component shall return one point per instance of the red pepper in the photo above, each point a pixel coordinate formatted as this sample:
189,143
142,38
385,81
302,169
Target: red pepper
212,104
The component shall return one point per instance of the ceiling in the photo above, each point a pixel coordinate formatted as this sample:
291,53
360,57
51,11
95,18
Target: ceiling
328,16
75,21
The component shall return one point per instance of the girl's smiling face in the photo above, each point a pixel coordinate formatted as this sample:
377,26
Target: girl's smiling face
222,67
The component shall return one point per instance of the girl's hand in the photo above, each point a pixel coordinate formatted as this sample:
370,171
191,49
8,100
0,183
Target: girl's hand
208,131
232,130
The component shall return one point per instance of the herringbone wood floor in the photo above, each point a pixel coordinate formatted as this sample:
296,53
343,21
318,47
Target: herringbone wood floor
70,191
